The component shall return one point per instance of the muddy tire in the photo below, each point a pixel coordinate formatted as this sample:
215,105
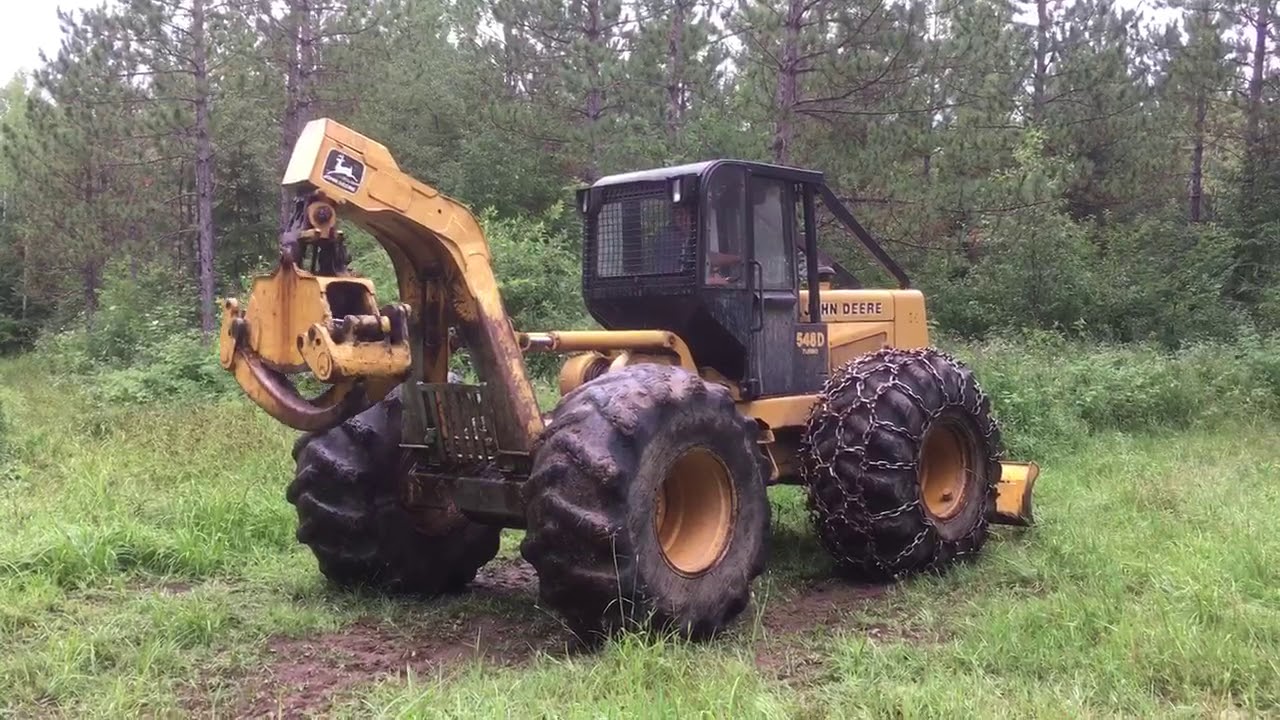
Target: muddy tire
901,458
347,494
647,506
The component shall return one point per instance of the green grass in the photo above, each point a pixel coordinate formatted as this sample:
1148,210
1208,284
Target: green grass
147,558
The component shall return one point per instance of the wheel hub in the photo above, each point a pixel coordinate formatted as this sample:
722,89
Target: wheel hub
944,470
694,514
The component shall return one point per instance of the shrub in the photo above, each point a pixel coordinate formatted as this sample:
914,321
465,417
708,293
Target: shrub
1049,391
178,367
139,347
138,307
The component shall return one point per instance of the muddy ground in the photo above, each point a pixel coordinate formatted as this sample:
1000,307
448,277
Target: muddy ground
304,676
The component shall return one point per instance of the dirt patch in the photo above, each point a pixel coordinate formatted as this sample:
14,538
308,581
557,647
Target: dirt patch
512,578
791,664
177,587
784,651
305,676
817,606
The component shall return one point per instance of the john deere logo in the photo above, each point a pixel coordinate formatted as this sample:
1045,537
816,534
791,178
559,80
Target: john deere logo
343,170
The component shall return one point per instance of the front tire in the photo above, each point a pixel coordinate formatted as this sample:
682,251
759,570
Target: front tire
901,457
347,494
647,505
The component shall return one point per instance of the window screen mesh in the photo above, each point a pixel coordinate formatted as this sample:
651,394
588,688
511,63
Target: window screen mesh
639,232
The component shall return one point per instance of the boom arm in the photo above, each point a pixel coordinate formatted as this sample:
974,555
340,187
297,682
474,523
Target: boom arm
443,269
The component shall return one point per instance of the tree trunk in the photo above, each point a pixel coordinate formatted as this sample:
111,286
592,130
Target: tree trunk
203,168
1042,61
90,279
1261,23
787,93
675,69
510,75
593,107
1195,199
297,25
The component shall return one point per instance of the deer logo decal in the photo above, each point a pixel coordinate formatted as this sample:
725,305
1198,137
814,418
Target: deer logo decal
343,170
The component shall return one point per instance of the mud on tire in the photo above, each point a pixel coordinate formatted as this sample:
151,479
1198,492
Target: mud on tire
862,454
346,492
593,533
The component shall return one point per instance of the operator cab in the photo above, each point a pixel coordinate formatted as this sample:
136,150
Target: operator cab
710,252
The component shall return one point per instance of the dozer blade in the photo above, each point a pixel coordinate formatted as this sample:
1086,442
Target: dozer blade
1013,498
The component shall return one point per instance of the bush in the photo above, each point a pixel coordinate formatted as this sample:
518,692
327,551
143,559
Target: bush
539,269
1049,391
1037,271
177,367
138,306
139,347
536,260
1165,282
5,431
9,444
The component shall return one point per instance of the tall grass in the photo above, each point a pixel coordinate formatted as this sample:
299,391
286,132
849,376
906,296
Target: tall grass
1050,393
147,552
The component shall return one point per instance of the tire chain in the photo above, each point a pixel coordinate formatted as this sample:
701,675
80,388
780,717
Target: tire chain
854,377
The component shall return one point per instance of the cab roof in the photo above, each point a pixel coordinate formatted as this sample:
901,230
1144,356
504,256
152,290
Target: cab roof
705,167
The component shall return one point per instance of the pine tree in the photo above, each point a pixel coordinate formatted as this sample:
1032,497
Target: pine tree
1199,81
572,75
175,49
87,188
300,38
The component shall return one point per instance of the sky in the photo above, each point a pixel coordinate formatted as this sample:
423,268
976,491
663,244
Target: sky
29,27
32,25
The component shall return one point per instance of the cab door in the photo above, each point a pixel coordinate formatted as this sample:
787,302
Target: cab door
786,357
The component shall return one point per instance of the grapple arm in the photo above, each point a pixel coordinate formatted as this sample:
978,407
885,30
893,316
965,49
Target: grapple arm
325,320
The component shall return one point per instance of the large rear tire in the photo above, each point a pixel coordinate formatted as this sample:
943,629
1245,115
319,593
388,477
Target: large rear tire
647,506
901,457
347,492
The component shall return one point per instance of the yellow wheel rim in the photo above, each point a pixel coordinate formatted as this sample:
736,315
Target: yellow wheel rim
694,517
944,471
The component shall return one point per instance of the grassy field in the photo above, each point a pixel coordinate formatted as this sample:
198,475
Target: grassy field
148,566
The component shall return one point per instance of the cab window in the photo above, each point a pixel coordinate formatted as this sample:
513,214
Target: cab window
726,232
773,224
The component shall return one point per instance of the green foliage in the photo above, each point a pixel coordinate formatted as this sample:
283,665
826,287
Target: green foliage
6,431
140,347
1027,176
1155,279
19,327
1167,282
1038,272
138,306
179,367
1050,392
539,270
